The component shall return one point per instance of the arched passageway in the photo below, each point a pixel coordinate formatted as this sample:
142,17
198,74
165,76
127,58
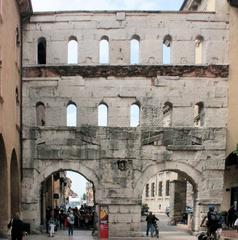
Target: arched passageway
182,177
15,184
64,190
3,186
170,193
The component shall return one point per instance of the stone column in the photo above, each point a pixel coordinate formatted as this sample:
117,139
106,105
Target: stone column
125,221
177,199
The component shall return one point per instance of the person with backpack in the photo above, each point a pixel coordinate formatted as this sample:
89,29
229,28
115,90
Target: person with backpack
213,222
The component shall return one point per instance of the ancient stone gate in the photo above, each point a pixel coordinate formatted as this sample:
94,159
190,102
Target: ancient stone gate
117,158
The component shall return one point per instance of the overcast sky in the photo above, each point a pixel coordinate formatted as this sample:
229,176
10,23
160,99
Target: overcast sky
56,5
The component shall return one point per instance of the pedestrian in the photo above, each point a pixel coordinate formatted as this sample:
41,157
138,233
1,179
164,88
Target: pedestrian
213,222
231,216
47,217
52,224
151,220
16,225
70,220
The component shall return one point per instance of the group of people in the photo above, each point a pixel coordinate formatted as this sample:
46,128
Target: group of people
82,218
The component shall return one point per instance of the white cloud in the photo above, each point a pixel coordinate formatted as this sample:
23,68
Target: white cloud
56,5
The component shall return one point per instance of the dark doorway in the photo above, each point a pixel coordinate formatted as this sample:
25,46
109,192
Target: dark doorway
234,196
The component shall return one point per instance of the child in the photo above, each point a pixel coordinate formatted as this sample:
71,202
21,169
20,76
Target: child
52,227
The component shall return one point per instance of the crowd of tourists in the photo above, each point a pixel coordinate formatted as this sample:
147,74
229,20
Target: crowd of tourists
72,218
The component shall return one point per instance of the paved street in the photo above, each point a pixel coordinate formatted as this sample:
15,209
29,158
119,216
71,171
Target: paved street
167,232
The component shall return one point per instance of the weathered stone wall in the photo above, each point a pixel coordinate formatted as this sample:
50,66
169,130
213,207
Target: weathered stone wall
119,159
120,92
151,27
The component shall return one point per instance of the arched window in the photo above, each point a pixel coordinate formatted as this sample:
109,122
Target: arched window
134,115
135,50
72,50
40,114
71,115
41,51
198,49
199,114
104,50
167,49
167,114
102,115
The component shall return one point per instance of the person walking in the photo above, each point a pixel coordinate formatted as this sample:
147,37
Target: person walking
52,224
70,220
151,219
16,225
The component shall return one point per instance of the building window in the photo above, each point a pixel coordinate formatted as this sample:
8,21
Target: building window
167,114
152,189
199,114
102,115
167,49
198,49
167,187
135,50
211,5
41,51
134,115
72,50
71,115
147,190
40,114
160,189
104,50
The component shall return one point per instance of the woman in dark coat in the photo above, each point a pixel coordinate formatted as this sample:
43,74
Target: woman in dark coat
17,227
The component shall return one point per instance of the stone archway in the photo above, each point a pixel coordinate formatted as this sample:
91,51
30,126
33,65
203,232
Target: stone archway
193,176
32,198
15,184
3,186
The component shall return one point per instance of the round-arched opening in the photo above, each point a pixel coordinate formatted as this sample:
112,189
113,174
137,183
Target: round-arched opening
72,50
40,114
3,185
167,114
135,50
134,115
41,51
71,115
64,191
102,114
15,184
177,186
167,42
104,50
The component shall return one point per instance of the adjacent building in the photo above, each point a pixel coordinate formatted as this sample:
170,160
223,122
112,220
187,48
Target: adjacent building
12,14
